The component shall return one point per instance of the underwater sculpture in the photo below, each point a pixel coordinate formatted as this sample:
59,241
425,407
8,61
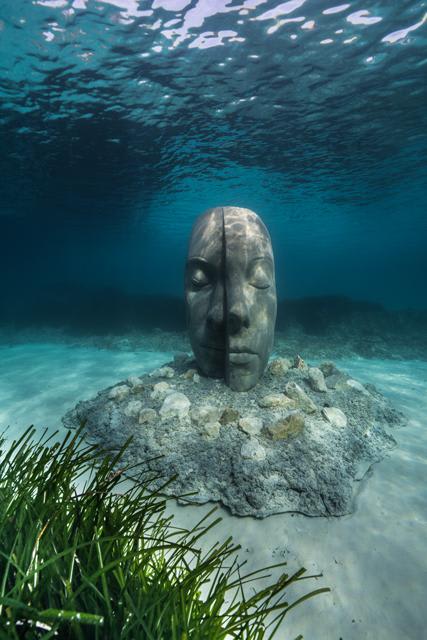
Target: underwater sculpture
301,437
230,295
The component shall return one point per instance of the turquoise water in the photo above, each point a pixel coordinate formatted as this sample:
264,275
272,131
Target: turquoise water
120,122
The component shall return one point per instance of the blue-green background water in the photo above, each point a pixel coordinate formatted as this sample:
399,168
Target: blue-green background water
122,120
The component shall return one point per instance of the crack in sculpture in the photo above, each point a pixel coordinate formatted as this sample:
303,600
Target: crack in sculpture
230,295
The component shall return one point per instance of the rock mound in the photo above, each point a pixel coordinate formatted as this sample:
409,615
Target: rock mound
300,440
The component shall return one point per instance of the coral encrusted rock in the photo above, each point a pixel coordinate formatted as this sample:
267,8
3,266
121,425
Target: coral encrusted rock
300,440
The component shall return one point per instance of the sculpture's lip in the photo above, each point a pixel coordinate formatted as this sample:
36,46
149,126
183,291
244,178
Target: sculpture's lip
244,350
208,346
241,358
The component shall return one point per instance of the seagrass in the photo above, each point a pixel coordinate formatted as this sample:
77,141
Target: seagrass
85,553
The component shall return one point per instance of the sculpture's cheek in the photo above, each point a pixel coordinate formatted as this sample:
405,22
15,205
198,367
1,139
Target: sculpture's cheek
261,329
207,343
197,298
263,308
197,306
211,360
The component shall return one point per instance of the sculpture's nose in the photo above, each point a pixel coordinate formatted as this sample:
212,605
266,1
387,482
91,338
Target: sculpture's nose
216,318
237,316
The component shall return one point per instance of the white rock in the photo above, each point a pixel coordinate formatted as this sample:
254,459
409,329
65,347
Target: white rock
191,374
336,381
291,425
119,392
133,408
163,372
160,390
212,429
147,415
188,375
294,391
299,363
251,425
275,400
317,379
252,450
335,416
354,384
205,413
279,366
135,383
175,405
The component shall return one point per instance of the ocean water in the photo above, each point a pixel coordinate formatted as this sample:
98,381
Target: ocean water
120,122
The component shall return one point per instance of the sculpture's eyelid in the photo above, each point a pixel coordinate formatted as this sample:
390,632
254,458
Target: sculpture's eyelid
266,259
200,272
261,272
198,262
264,262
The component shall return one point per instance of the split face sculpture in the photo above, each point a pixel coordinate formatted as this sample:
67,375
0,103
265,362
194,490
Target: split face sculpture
230,295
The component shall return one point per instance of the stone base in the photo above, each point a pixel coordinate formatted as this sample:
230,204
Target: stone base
301,440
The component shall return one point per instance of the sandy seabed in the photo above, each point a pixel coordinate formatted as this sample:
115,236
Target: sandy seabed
374,561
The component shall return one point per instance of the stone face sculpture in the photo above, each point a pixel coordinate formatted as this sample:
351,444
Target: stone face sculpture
230,295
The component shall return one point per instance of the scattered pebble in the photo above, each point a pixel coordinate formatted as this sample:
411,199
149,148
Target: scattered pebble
253,450
212,430
191,374
229,415
133,408
135,383
119,392
163,372
175,405
147,416
336,381
205,413
291,425
304,402
160,390
316,379
358,386
251,425
279,366
335,416
299,363
276,400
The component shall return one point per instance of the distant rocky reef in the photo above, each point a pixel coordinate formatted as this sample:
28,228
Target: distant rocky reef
322,327
301,440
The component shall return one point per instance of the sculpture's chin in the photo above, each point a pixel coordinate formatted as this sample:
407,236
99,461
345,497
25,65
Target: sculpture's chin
211,360
243,371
